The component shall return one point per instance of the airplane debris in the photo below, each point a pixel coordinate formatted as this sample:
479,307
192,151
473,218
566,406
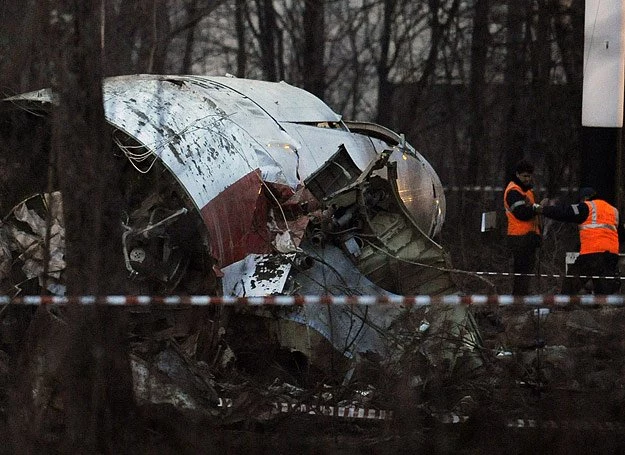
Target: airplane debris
27,240
251,188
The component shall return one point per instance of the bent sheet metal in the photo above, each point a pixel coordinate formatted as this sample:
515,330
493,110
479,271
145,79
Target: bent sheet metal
244,187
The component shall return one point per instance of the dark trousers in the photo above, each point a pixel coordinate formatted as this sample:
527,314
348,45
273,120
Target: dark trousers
594,264
523,248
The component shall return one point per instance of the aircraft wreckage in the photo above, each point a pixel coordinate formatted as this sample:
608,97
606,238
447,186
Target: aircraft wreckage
250,188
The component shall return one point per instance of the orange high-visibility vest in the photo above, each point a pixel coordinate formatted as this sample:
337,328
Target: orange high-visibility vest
598,233
516,226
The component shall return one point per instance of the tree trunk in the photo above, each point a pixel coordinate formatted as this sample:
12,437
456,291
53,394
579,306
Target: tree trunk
478,151
385,89
514,79
191,11
267,38
314,40
82,364
86,172
121,28
240,9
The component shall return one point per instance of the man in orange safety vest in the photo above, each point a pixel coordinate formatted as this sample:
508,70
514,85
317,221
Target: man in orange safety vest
524,234
599,242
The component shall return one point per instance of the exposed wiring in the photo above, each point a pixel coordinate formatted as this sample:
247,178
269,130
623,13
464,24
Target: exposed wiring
136,157
345,173
153,149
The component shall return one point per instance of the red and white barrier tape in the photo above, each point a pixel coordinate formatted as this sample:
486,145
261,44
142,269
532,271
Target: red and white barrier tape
348,412
547,275
497,188
566,425
301,300
352,412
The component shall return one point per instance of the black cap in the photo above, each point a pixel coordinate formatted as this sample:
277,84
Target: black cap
524,166
587,192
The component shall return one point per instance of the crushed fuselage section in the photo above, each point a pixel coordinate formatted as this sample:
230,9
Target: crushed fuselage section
249,188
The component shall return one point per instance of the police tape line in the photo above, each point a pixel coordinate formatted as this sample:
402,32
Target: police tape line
546,275
354,412
347,412
546,424
566,425
554,300
495,189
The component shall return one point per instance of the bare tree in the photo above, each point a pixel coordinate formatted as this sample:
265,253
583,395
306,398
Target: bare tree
240,14
268,39
191,8
514,80
92,378
477,90
122,24
314,42
385,61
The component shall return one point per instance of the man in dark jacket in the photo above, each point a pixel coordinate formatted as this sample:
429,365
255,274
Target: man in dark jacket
599,241
524,234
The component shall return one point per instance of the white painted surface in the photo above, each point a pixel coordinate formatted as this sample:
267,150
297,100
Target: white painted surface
604,57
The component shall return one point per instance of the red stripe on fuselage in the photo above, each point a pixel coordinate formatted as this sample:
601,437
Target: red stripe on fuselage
236,220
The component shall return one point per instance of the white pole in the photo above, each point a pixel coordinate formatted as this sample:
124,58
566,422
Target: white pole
604,57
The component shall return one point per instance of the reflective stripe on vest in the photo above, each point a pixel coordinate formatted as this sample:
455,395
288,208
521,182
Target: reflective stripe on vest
516,226
598,233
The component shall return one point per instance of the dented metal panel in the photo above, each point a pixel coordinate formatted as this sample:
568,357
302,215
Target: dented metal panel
192,137
283,102
257,275
212,132
319,144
